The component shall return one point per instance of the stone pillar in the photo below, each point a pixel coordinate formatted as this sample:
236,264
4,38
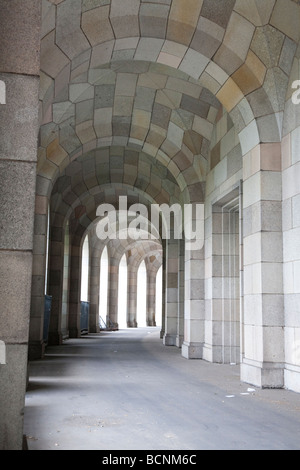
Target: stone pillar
95,259
194,304
131,296
151,297
56,272
171,300
19,70
39,266
75,289
263,361
112,319
164,276
65,285
180,318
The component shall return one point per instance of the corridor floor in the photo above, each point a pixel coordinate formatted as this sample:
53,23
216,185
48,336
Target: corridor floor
124,390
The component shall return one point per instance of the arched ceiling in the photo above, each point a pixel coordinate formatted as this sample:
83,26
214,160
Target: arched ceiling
149,77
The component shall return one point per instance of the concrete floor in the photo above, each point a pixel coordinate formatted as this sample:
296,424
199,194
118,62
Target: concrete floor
126,391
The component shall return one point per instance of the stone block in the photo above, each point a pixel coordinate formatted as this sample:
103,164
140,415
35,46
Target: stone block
12,397
85,132
96,25
69,35
207,37
81,92
102,53
290,181
148,49
250,75
296,211
291,244
153,20
175,135
194,63
17,201
183,19
273,344
217,12
287,55
267,44
53,60
126,84
19,118
183,86
104,96
295,145
285,17
125,25
257,12
19,39
144,98
292,310
15,285
249,137
229,95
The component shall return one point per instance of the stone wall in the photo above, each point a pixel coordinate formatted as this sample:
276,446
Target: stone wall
19,70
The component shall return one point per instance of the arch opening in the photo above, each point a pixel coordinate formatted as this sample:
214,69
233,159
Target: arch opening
142,295
122,293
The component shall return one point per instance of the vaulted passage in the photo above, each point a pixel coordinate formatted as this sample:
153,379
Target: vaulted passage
149,177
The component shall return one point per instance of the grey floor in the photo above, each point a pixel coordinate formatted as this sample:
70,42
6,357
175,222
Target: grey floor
125,391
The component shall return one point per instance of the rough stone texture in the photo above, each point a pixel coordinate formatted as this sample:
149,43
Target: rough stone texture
15,308
13,385
182,20
19,118
19,39
17,204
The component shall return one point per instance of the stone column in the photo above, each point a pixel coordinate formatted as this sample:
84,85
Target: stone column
180,318
263,361
112,319
171,300
56,272
95,259
39,266
19,70
131,296
151,297
164,275
75,289
65,286
194,304
194,278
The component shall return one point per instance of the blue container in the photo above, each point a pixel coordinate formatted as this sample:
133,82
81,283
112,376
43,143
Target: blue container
84,317
47,313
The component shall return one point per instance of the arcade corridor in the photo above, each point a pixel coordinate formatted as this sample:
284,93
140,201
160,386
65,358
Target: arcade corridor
180,119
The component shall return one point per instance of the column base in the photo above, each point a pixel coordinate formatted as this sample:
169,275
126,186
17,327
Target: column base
36,350
179,341
169,340
263,375
192,350
55,339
